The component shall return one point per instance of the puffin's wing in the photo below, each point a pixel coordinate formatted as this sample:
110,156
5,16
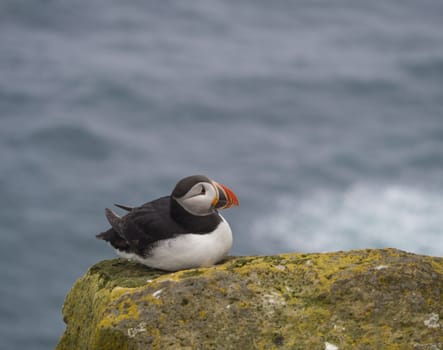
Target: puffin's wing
149,223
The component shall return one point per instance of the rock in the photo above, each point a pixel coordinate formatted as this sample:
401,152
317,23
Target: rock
367,299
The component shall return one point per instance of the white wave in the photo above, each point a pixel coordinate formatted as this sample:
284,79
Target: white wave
363,216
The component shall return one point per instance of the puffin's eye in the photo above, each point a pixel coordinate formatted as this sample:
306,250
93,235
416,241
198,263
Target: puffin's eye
203,190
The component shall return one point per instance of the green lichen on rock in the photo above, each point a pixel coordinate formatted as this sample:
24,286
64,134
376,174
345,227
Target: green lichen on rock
367,299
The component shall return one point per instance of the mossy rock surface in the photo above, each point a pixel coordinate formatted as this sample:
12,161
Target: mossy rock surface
366,299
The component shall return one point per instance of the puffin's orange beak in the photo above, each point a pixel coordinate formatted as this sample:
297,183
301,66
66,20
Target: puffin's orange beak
226,198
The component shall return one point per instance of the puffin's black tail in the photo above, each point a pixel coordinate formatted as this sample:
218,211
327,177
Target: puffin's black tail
113,235
107,235
116,241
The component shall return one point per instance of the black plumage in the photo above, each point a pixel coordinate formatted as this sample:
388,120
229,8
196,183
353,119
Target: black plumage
139,230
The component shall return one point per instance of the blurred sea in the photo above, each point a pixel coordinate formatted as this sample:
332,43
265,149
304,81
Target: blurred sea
326,118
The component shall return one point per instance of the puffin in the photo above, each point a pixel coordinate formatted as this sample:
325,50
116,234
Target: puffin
181,231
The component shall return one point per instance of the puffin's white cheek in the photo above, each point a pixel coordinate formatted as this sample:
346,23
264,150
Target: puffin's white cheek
200,204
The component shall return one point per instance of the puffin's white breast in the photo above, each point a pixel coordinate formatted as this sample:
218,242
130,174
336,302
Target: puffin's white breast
188,250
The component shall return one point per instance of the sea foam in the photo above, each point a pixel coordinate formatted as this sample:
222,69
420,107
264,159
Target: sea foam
362,216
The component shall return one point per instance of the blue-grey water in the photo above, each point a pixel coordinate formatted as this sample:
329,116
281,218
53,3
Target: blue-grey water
325,117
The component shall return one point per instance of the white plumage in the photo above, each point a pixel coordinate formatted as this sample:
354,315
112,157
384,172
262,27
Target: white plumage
188,251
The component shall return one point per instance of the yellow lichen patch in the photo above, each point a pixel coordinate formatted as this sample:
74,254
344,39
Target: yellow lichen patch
118,312
244,304
119,291
437,264
156,335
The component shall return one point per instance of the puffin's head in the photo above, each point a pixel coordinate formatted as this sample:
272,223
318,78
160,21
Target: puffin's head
200,195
